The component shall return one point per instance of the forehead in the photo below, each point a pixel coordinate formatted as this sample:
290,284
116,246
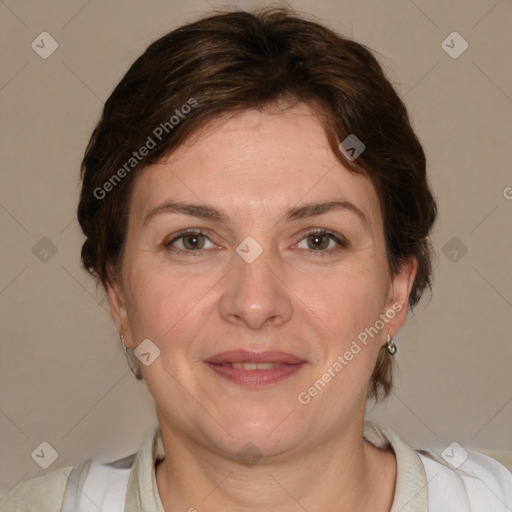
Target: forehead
252,161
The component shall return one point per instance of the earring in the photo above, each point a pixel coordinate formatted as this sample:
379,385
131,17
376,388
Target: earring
134,367
390,346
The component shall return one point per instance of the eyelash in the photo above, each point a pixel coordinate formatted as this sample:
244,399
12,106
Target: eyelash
340,240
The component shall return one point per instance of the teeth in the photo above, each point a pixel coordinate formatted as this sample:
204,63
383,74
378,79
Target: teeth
254,366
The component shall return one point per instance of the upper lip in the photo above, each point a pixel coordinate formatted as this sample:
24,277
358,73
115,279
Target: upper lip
247,356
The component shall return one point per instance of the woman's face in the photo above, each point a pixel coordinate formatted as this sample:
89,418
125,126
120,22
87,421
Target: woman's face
258,281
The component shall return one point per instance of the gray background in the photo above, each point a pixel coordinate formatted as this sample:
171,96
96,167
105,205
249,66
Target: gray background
64,378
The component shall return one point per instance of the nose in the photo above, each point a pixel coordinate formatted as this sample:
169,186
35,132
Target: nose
256,294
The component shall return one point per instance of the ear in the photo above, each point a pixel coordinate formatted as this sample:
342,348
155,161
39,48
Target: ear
118,311
400,289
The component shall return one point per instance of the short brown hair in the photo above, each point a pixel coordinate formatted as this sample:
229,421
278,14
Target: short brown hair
233,61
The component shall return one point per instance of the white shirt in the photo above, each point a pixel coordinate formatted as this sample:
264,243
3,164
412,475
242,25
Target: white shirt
424,483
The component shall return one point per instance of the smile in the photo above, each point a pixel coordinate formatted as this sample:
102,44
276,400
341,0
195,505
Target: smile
255,375
254,369
254,366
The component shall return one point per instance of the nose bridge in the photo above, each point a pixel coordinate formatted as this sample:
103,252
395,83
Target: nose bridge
255,293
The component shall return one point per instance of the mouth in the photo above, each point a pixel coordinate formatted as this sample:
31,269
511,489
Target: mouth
254,369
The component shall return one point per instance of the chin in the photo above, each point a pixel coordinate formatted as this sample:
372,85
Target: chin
260,426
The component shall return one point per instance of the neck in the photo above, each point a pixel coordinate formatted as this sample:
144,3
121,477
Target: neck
346,471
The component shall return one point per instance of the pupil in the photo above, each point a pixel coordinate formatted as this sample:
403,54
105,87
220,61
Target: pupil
317,238
195,239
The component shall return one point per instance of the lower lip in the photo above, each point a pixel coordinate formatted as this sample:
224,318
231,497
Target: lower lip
256,378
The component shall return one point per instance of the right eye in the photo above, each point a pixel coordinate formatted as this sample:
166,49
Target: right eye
192,242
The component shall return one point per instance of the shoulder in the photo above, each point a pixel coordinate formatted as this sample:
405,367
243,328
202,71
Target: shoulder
42,494
467,477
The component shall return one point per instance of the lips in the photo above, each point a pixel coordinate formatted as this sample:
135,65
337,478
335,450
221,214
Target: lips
246,356
254,369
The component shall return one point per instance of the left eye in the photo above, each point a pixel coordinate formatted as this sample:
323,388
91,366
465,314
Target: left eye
319,241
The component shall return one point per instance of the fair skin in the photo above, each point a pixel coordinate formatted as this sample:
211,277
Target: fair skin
255,166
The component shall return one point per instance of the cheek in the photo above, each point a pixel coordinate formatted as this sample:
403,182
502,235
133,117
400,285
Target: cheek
166,305
347,300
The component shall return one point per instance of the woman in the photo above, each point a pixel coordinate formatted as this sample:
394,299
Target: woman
256,206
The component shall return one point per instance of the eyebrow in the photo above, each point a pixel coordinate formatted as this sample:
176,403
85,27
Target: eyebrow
211,213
